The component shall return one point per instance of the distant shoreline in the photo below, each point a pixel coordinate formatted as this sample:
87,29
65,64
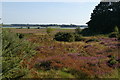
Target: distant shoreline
26,27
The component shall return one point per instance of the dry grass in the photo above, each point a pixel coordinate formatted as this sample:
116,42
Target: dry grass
43,31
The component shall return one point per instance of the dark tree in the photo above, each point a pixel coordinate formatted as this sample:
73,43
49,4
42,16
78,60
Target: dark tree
105,17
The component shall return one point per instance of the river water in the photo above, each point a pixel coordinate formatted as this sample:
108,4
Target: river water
43,27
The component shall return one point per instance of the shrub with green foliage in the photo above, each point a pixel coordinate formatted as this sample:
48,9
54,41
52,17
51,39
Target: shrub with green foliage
119,37
78,37
20,35
86,32
116,30
92,40
38,27
28,27
112,61
113,35
68,37
14,50
78,30
64,36
49,30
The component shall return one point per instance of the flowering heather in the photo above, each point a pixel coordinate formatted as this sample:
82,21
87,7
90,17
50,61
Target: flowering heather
90,58
74,61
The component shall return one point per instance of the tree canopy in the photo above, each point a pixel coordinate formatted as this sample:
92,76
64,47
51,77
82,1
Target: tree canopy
105,17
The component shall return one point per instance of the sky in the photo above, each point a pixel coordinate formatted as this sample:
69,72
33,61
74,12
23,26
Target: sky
47,12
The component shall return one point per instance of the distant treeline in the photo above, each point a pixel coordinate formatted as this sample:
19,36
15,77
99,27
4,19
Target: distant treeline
42,25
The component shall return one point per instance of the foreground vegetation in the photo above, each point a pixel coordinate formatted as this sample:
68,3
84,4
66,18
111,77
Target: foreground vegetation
52,53
36,55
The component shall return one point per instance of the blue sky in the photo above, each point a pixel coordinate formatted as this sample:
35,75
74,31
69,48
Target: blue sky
47,12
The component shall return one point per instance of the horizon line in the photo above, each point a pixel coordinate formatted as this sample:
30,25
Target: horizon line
51,0
46,23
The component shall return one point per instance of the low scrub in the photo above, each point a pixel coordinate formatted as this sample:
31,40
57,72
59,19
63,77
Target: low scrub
68,37
92,40
113,35
14,50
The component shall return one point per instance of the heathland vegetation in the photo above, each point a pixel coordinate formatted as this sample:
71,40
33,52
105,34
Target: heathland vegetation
57,53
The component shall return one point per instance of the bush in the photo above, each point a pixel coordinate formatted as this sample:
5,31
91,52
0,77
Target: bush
69,37
119,37
20,35
92,40
38,27
113,35
64,36
79,74
14,51
78,37
49,30
28,27
45,64
112,62
86,32
116,29
78,30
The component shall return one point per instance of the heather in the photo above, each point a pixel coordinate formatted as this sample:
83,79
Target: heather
36,55
89,53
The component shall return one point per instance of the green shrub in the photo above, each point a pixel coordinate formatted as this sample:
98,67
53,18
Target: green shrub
86,32
78,37
119,37
49,30
113,35
38,27
64,36
116,29
20,35
46,65
68,36
28,27
112,61
78,30
92,40
59,36
13,51
79,74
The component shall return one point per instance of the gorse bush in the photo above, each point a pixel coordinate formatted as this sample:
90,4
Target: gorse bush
64,36
14,50
68,36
